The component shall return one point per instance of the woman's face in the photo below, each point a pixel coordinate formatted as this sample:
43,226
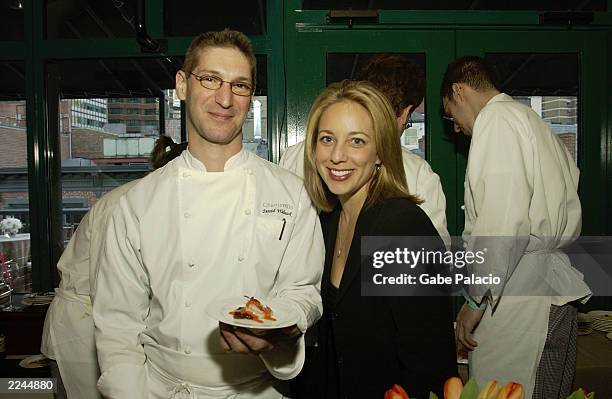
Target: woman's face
346,149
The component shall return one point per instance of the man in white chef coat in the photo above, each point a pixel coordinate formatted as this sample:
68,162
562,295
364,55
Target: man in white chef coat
217,222
521,199
404,85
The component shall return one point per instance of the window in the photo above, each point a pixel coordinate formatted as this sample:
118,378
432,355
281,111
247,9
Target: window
15,257
553,96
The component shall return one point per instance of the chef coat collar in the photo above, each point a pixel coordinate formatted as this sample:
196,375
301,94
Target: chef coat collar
235,161
499,97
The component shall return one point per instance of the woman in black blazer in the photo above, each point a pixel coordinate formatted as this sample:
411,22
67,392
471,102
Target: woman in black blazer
354,174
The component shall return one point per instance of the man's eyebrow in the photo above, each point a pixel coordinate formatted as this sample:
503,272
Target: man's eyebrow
217,73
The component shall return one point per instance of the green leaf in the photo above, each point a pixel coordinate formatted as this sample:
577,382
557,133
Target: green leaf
433,395
579,395
470,390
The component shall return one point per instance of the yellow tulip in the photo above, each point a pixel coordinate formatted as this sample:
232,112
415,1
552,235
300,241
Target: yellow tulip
490,391
452,388
511,390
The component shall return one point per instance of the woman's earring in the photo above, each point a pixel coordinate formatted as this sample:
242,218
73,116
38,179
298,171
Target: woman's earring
378,167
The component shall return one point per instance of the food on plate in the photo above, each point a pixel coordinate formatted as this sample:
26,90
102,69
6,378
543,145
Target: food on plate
253,310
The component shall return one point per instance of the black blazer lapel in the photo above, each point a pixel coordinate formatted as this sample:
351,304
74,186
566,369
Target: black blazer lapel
352,269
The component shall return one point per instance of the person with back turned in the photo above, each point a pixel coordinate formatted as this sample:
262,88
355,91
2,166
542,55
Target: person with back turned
521,203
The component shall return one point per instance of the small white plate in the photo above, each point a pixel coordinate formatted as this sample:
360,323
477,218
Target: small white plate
282,311
34,362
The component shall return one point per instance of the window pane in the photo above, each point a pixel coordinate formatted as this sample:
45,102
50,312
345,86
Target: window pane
11,19
111,113
15,257
554,96
190,18
347,65
89,19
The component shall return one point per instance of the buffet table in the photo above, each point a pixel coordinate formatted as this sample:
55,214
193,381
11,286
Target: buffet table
594,364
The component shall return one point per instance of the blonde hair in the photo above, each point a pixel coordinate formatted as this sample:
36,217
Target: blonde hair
389,180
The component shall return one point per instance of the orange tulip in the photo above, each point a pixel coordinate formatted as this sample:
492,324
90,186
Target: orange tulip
511,390
452,388
397,392
490,391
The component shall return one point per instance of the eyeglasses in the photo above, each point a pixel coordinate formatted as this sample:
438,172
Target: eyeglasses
213,82
448,118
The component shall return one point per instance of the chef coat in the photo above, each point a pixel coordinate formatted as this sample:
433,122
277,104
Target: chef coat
68,333
421,179
183,238
521,187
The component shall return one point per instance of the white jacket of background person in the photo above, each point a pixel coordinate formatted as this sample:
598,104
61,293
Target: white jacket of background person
521,189
421,180
68,334
183,238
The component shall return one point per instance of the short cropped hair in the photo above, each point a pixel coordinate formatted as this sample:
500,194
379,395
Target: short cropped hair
400,80
390,180
225,38
471,70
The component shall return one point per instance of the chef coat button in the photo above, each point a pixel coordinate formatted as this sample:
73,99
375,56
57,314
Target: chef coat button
247,211
240,258
334,316
188,349
187,304
340,360
186,174
191,264
187,215
249,171
463,207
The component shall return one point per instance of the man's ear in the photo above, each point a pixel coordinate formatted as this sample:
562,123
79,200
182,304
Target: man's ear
404,115
457,91
181,85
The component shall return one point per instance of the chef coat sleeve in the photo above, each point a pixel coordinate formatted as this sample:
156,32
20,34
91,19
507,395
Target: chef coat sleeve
120,308
429,189
293,159
299,282
500,173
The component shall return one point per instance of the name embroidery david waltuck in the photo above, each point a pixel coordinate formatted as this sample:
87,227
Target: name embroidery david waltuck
277,207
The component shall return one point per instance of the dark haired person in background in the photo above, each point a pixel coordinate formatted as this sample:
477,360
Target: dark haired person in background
521,202
68,333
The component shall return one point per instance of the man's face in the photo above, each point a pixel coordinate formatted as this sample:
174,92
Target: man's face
457,109
216,116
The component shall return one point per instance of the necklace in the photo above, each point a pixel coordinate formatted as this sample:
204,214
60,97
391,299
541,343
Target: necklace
339,243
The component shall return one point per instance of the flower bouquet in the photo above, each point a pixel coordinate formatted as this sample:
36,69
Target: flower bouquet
10,226
454,389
